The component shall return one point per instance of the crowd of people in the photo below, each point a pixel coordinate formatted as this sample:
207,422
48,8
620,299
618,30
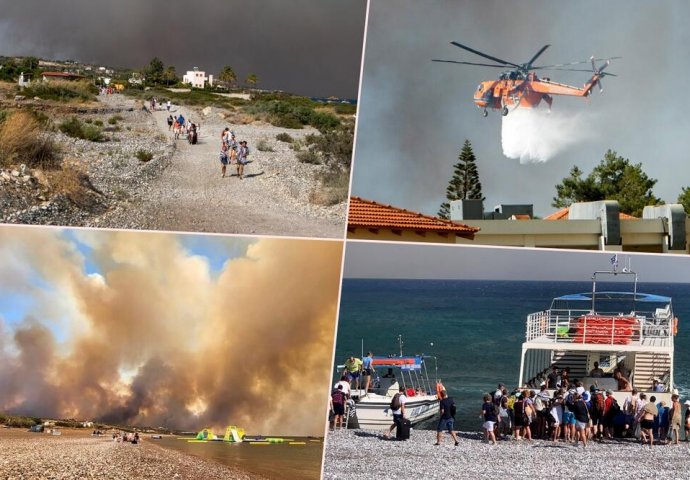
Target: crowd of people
560,410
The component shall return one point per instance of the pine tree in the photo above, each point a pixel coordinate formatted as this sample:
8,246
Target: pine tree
465,183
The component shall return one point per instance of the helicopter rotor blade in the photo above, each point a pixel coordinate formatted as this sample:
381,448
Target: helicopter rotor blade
536,55
540,67
603,74
477,52
469,63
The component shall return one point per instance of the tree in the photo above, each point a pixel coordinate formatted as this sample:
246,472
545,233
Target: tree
228,75
615,178
154,72
464,185
170,76
251,80
684,199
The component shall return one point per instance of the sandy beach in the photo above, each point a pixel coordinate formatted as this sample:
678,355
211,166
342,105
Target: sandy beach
366,453
77,454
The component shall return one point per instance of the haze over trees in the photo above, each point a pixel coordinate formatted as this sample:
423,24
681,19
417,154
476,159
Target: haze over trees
465,184
615,178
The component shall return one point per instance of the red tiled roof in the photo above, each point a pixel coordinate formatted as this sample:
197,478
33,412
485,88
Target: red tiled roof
61,74
369,214
562,214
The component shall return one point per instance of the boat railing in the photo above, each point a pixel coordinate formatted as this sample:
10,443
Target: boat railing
610,328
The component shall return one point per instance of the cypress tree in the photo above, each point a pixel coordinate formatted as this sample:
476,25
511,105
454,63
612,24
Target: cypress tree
465,182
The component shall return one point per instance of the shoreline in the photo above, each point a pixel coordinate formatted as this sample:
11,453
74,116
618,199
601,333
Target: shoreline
77,454
419,458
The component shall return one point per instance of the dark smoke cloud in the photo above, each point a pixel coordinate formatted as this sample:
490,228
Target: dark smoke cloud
414,115
156,339
302,46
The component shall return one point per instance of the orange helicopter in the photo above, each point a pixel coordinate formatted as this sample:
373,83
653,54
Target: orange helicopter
522,87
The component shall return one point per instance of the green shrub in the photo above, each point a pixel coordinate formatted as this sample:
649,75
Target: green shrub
323,121
345,109
76,129
98,123
284,137
88,120
61,90
144,155
22,141
308,156
263,146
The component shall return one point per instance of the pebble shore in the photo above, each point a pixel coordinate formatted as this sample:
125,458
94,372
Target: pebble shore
368,454
26,456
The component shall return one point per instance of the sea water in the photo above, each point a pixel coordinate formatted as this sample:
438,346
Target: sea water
280,461
474,328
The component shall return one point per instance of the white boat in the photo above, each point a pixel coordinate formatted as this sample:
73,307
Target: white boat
628,330
372,409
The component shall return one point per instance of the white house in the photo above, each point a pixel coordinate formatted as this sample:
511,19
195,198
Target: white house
197,78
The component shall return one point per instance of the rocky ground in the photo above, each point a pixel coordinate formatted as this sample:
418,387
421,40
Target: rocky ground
181,188
366,453
26,455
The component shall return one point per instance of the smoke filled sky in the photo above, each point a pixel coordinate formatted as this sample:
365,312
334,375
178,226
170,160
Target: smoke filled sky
302,46
414,114
157,329
448,262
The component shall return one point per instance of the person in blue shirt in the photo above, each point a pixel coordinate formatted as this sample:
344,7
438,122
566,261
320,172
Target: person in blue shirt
367,371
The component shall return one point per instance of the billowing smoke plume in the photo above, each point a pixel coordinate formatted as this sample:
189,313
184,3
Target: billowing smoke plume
536,135
156,338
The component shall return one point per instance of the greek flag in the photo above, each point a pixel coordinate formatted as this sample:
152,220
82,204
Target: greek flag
614,261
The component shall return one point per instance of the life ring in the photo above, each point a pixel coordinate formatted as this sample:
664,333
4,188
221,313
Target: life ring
675,326
439,389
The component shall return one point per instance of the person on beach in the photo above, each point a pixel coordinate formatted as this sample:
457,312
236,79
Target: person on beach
367,371
398,407
629,406
597,412
541,402
611,411
504,422
170,122
498,394
490,419
581,414
223,157
674,419
661,422
565,378
242,153
168,105
447,411
520,418
353,365
556,416
338,400
646,419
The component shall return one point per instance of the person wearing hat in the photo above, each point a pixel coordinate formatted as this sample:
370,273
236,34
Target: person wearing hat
674,416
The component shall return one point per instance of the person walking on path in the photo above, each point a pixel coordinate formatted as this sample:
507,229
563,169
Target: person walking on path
447,410
242,153
223,157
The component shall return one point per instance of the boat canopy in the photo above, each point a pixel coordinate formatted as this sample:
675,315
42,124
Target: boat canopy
639,297
404,363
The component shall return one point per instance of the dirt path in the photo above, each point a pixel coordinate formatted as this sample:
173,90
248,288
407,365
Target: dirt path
272,199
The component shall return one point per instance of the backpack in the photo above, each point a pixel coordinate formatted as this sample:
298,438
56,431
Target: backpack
599,402
615,408
395,402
